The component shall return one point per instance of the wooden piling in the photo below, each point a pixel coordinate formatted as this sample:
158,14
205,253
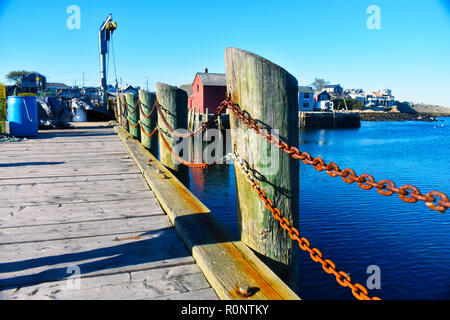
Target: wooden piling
133,115
148,123
269,94
173,102
124,116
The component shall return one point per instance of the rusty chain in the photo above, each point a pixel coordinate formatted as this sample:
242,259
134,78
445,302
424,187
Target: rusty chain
132,125
358,290
146,116
188,163
407,193
148,135
219,111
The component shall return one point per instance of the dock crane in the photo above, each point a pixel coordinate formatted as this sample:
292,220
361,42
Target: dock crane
104,35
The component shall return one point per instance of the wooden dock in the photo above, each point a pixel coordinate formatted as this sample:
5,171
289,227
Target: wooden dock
78,221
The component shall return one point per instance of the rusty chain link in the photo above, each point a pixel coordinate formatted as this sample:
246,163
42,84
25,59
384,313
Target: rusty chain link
146,116
358,290
134,126
149,135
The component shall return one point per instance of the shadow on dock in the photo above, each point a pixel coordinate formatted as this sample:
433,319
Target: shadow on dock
163,246
20,164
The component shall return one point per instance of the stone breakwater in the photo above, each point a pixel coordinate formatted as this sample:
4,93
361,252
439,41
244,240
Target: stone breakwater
328,120
396,116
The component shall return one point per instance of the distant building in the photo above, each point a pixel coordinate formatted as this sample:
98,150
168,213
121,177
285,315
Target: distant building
372,99
32,82
334,89
305,98
208,91
321,95
356,94
56,86
379,99
322,101
129,89
188,89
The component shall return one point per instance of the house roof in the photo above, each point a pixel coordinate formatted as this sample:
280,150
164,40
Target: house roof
305,89
213,79
317,93
331,86
56,85
376,94
187,88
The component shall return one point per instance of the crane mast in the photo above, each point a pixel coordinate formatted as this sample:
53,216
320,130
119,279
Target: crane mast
104,35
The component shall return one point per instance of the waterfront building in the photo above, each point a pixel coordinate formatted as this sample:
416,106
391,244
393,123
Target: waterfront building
334,89
322,101
207,91
305,98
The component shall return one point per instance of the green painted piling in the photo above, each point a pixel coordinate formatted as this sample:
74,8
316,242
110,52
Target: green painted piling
133,115
124,112
149,120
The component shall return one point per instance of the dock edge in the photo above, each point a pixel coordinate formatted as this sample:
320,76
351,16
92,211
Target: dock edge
227,263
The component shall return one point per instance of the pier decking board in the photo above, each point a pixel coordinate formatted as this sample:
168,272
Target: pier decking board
66,199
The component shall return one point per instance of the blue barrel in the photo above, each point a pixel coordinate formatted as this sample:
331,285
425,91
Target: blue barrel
22,116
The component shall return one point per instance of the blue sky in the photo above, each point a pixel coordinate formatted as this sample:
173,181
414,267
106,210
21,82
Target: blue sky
170,40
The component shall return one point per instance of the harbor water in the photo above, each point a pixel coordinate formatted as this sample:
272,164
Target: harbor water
355,228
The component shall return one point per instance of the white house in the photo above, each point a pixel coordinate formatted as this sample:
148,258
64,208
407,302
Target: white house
322,101
305,98
379,99
372,99
356,94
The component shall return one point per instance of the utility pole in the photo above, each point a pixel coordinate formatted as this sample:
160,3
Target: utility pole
83,79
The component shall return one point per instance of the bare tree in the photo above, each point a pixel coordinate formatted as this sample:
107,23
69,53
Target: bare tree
319,84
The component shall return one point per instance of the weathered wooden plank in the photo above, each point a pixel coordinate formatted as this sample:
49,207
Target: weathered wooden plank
99,255
34,253
69,179
71,230
269,94
126,167
69,148
63,145
62,199
91,186
225,261
32,191
66,176
178,282
61,142
78,212
72,158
